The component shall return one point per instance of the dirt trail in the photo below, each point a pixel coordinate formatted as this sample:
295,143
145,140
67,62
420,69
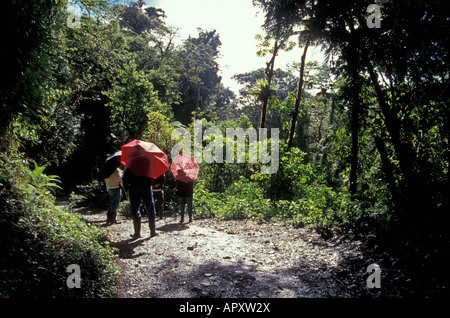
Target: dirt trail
213,258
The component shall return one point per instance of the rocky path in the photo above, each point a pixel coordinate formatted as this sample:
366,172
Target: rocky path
214,258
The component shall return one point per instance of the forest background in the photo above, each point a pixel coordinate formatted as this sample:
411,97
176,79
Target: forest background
364,138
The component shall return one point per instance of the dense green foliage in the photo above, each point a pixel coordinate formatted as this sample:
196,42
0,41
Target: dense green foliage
397,111
364,138
297,194
40,240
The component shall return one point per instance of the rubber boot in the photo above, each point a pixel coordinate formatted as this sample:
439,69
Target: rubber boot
190,217
152,226
108,219
113,219
137,228
182,218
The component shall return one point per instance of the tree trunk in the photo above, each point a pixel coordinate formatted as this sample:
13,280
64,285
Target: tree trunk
299,96
269,74
354,117
327,139
410,187
388,172
354,151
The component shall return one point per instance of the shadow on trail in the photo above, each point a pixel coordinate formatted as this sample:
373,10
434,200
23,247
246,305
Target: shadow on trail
172,227
214,279
302,279
126,247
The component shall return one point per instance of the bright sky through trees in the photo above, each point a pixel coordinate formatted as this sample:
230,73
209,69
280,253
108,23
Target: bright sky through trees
237,22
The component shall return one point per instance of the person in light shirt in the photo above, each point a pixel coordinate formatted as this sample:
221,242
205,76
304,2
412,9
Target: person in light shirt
113,186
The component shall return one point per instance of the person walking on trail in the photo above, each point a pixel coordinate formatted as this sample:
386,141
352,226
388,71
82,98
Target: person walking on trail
113,179
185,193
139,189
185,170
158,194
144,162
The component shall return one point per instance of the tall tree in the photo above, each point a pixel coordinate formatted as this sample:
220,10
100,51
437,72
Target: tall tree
405,62
284,82
281,37
27,27
355,111
198,74
265,87
298,98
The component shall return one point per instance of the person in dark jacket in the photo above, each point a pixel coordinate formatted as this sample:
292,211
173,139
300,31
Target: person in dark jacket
138,189
185,193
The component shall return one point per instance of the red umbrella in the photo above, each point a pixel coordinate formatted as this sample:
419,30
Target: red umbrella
184,168
144,159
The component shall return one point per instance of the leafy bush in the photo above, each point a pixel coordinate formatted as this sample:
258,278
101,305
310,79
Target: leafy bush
93,194
293,195
292,177
40,240
298,193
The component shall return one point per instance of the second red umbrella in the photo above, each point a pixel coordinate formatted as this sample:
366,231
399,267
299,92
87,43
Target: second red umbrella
184,168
